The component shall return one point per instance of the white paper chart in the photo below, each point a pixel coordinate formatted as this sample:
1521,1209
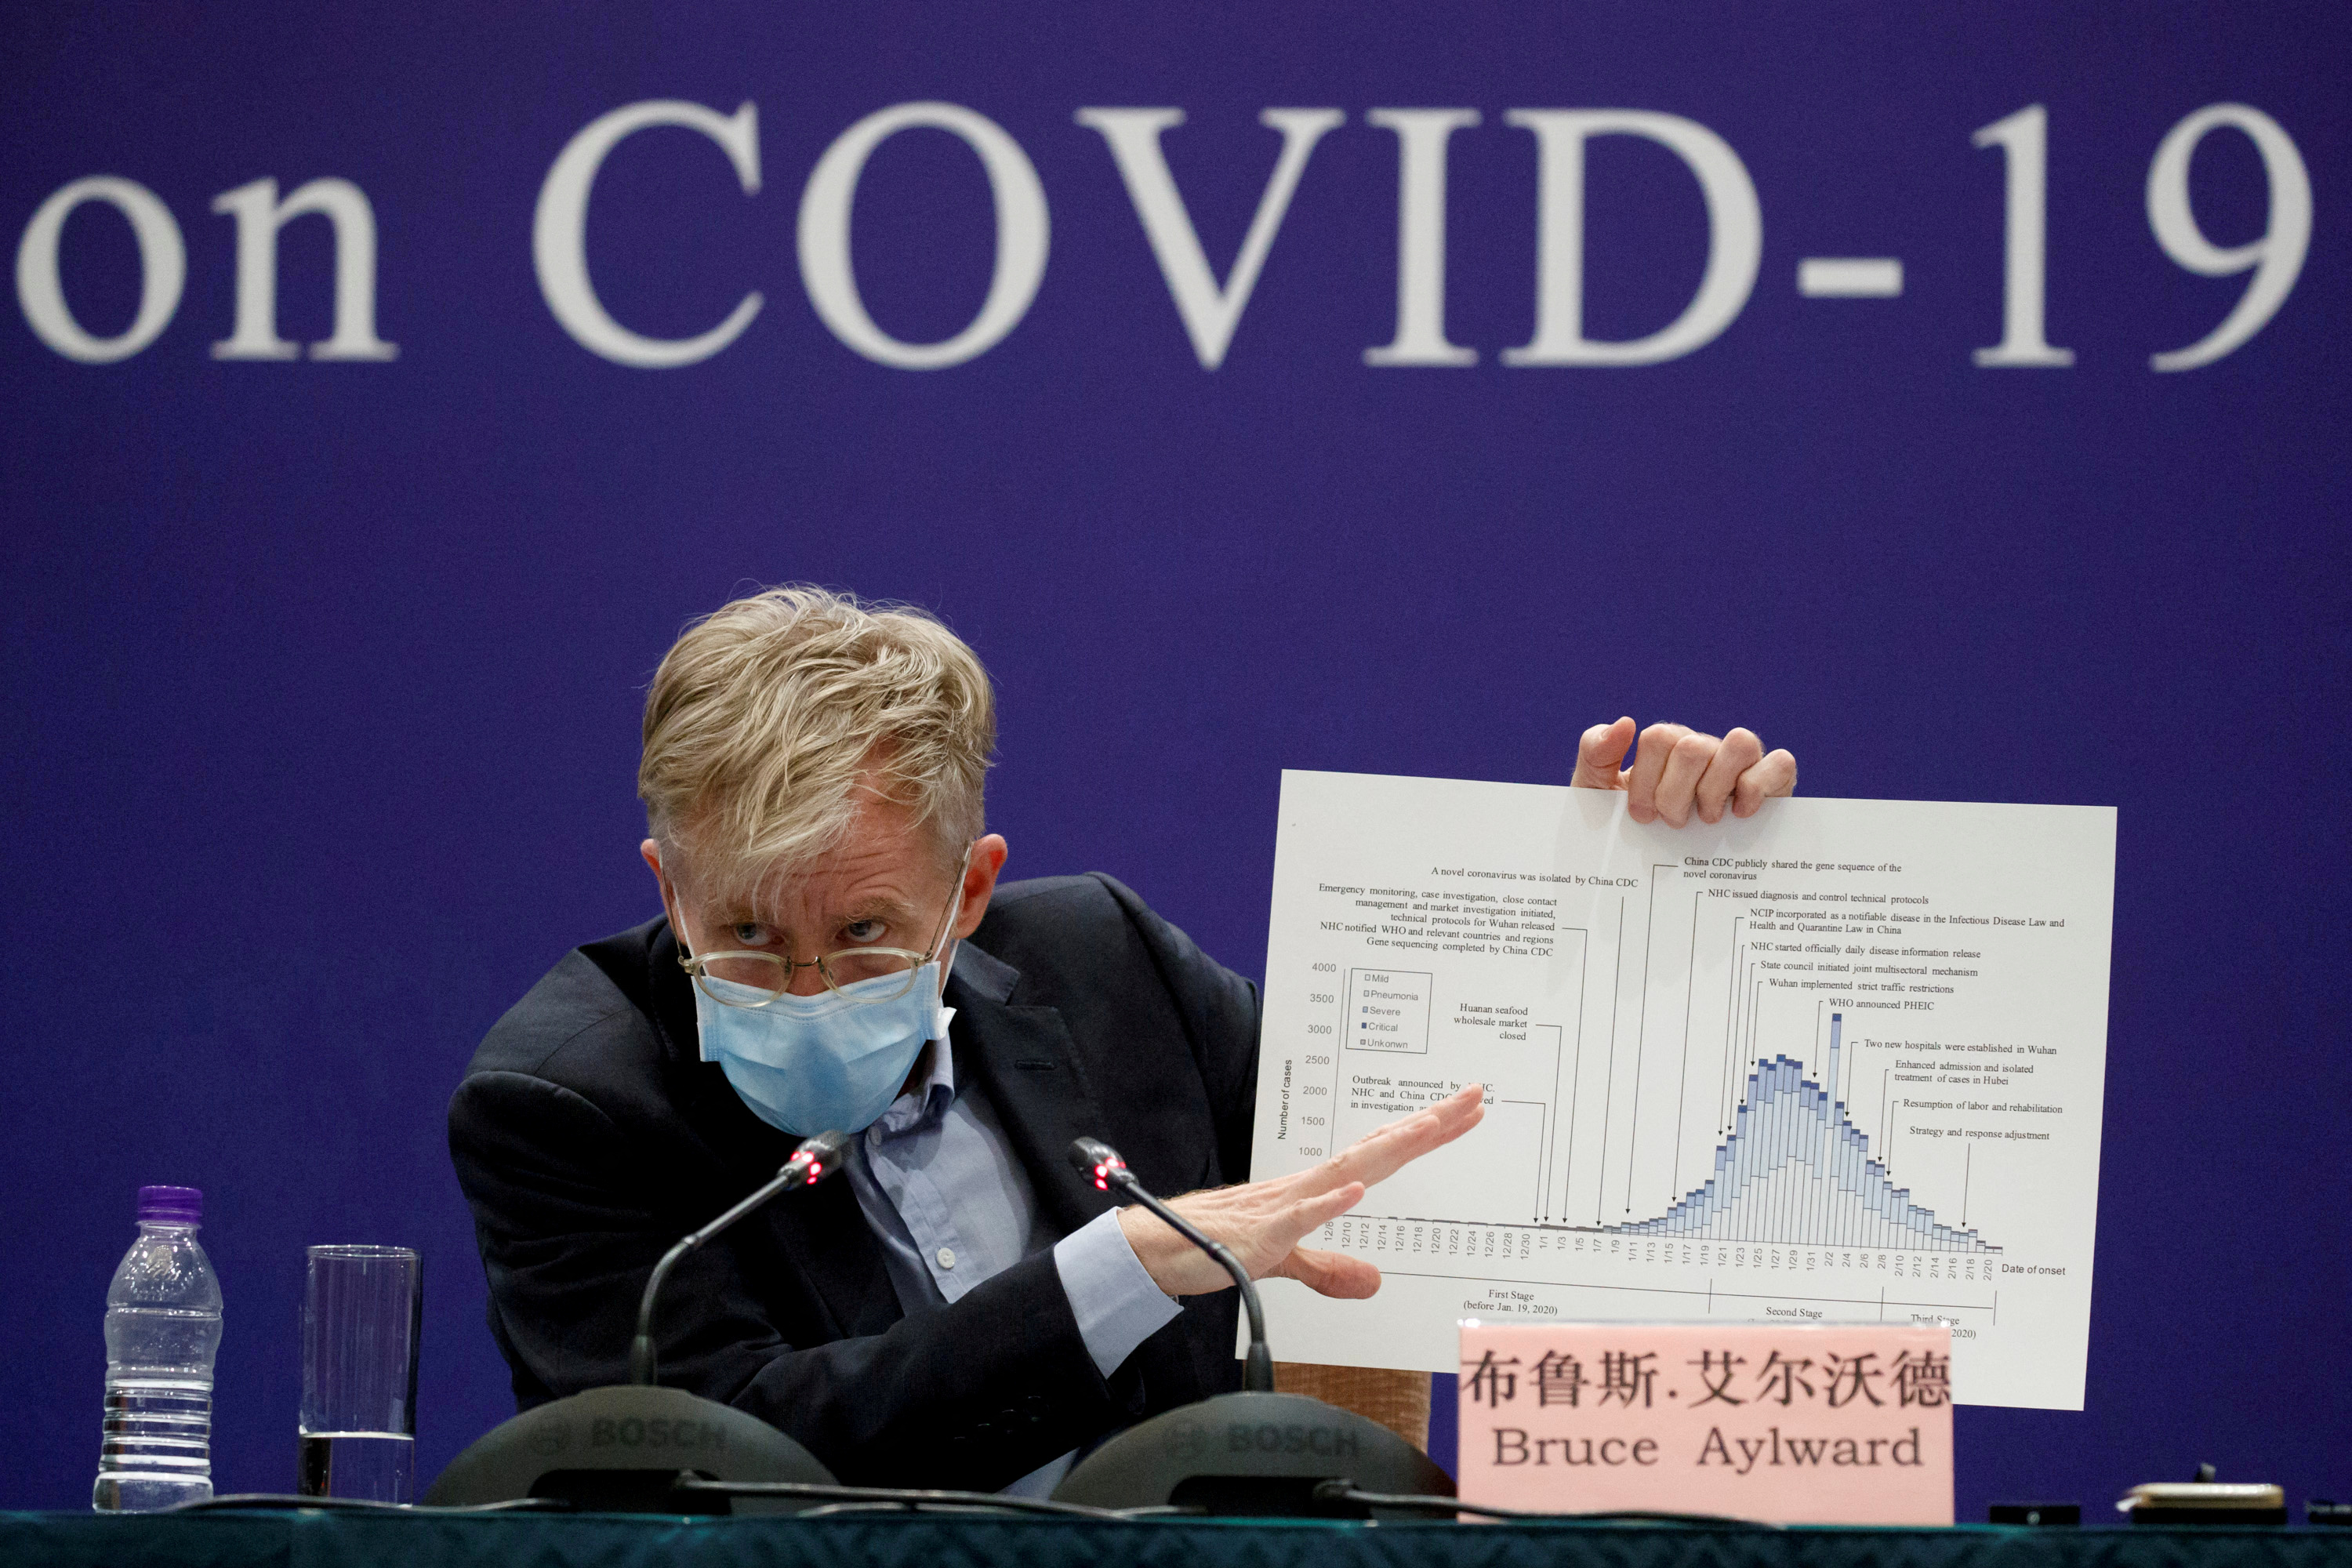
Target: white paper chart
1842,1061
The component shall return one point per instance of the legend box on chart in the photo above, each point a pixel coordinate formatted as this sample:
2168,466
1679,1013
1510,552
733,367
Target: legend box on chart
1388,1010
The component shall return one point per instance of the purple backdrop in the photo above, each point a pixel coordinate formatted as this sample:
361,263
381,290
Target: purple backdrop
326,674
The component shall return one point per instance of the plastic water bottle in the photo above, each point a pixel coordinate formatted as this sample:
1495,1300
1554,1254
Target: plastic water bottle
162,1327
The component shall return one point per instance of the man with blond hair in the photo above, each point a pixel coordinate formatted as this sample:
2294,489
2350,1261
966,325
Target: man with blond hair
836,952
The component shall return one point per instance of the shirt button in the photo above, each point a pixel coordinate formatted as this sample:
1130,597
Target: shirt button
947,1257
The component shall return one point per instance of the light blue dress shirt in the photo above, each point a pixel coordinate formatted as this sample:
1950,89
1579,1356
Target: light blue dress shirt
940,1184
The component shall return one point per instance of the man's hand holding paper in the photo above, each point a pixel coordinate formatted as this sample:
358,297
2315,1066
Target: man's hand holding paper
1680,771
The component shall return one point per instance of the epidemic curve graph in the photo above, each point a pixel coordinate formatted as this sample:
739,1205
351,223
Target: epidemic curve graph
1795,1169
1842,1061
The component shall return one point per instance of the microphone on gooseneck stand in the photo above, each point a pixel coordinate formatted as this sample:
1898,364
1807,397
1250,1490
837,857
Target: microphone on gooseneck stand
624,1449
1256,1452
808,1165
1100,1159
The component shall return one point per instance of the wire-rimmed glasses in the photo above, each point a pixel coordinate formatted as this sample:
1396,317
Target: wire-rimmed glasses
857,975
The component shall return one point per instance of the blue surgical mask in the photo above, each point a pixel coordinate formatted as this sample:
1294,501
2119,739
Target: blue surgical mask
813,1064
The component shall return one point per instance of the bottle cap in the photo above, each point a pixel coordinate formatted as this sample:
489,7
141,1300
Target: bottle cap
171,1206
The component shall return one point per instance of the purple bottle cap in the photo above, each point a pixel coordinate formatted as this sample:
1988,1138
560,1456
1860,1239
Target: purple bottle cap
171,1206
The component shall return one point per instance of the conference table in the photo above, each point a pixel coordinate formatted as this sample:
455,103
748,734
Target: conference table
230,1538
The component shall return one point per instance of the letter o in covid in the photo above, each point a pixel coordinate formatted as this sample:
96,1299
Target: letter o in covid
163,269
830,277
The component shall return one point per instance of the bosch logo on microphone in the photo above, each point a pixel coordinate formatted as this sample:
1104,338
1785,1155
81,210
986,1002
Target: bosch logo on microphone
629,1432
1329,1442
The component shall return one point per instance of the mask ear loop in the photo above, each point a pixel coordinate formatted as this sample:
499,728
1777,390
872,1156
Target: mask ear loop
679,935
945,956
945,942
676,930
684,941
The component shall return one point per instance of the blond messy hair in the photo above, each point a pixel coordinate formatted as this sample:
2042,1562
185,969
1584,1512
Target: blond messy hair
767,713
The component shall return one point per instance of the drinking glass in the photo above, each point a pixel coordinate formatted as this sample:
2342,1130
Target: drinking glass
362,1307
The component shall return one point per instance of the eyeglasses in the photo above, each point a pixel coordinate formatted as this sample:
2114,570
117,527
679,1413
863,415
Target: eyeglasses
871,969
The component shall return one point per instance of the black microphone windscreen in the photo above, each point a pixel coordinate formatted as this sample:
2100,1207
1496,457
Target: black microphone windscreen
1085,1153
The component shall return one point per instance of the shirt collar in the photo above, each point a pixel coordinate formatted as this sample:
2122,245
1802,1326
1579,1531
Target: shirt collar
927,1100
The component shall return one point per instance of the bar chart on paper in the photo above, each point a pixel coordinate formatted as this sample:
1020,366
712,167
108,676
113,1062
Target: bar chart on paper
1843,1061
1795,1169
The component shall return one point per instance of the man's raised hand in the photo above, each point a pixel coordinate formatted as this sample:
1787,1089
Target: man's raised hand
1679,771
1262,1222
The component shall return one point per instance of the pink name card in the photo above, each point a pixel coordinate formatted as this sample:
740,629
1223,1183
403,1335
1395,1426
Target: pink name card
1814,1424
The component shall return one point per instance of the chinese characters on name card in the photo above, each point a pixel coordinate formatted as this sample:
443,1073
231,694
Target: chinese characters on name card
1847,1424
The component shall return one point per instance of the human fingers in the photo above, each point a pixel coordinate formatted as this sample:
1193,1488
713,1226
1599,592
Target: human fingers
1598,752
1649,766
1330,1273
1378,1155
1301,1217
1274,1236
1775,776
1741,751
1686,765
1259,1226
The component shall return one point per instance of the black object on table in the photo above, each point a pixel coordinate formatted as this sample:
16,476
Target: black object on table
1257,1453
621,1449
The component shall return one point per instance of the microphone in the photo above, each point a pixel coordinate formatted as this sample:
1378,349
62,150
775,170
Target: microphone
637,1448
1255,1452
1095,1158
808,1165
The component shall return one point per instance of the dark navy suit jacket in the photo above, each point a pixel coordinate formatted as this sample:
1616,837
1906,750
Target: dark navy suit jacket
589,1137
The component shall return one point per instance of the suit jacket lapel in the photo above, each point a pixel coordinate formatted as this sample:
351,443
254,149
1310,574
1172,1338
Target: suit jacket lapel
1026,1059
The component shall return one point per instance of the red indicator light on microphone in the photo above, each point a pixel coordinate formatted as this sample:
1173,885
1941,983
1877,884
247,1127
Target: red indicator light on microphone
816,1169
